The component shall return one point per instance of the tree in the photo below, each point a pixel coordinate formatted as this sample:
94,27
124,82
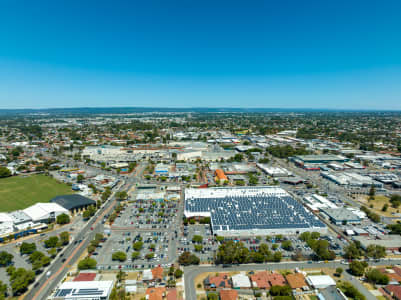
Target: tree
352,251
27,248
277,290
135,255
197,239
376,251
87,263
137,245
385,207
372,192
3,290
350,291
395,200
64,238
198,248
357,267
121,195
119,255
5,258
376,277
339,271
4,172
150,255
80,178
186,259
51,242
178,273
287,245
277,256
63,219
20,279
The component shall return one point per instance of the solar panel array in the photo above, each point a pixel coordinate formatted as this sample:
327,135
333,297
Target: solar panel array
261,209
79,292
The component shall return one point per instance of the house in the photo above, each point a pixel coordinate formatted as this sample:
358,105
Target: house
392,275
260,280
276,279
157,273
155,293
221,280
296,281
228,295
394,291
241,281
147,275
320,281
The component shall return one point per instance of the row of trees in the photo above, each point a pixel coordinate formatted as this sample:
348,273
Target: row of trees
319,246
286,151
371,215
231,252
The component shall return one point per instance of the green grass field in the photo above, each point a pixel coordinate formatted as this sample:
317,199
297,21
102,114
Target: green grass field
20,192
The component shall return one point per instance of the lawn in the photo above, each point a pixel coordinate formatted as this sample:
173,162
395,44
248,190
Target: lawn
378,203
20,192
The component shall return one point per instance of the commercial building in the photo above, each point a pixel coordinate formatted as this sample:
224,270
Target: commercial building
340,216
73,202
44,212
84,290
390,242
251,211
274,171
220,175
316,202
319,159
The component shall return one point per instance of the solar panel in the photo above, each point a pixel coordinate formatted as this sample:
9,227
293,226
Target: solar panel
257,209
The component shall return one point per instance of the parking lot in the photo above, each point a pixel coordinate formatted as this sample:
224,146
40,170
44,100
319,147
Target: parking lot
150,222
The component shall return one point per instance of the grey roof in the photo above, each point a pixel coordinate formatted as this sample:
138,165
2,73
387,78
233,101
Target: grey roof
72,201
340,214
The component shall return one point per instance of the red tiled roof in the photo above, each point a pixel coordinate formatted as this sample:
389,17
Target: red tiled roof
85,277
260,280
276,279
172,294
155,293
222,280
395,290
228,295
157,273
296,281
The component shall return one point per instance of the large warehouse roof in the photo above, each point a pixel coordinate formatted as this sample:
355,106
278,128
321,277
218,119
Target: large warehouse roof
72,201
40,211
249,209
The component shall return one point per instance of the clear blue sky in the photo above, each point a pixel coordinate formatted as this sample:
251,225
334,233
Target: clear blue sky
308,54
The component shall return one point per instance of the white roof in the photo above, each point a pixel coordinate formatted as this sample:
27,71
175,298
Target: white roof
5,218
241,280
80,289
39,211
320,280
147,274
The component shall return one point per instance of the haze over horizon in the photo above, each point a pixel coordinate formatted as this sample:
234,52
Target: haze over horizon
291,54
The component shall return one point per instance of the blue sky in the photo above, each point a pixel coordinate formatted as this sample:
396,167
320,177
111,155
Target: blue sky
301,54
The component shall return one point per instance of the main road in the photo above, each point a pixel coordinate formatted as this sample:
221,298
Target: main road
45,285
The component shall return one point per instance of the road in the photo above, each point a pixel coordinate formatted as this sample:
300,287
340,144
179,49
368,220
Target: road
45,286
190,273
